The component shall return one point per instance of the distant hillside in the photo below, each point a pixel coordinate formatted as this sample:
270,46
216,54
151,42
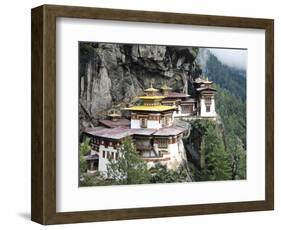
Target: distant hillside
231,93
232,111
227,77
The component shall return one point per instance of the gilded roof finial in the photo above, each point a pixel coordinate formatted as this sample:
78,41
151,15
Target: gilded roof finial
165,86
151,83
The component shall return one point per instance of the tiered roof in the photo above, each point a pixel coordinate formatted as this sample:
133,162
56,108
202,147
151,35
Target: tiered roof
205,85
110,133
165,87
155,97
122,122
114,115
151,108
151,102
151,89
121,132
203,81
169,131
207,88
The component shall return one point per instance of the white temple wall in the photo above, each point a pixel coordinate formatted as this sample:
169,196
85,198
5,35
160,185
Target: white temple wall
173,149
158,149
180,112
150,124
203,111
135,124
104,161
153,124
174,152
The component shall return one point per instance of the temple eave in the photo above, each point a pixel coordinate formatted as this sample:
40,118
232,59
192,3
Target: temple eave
151,108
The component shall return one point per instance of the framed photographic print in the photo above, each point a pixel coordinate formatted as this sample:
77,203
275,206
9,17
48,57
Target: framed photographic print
140,114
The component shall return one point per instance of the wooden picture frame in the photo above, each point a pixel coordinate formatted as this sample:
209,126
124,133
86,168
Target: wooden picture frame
43,207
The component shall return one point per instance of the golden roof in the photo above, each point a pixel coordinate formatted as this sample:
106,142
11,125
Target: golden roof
152,108
114,115
165,87
151,89
151,97
171,101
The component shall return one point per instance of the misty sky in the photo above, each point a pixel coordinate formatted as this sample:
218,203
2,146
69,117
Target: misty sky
232,57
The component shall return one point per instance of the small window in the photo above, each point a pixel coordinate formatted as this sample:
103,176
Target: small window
184,109
103,154
143,123
208,102
162,143
190,108
116,156
112,155
168,121
208,108
108,155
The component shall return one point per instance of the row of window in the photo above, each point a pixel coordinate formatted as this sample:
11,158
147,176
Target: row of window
165,121
162,143
97,141
110,155
187,109
153,154
143,123
95,147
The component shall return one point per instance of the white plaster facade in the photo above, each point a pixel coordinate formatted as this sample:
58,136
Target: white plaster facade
150,124
175,152
103,161
153,124
135,124
179,113
178,158
203,110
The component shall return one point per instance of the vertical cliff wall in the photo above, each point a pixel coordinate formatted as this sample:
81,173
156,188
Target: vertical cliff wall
111,75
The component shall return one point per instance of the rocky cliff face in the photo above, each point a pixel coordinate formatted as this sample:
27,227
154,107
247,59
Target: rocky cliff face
202,58
112,75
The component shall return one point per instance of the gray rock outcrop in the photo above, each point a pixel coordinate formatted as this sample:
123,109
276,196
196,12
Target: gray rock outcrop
112,75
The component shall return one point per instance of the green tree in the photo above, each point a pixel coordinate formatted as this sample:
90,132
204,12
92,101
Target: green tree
84,149
238,157
217,161
229,78
94,179
232,111
160,174
87,180
129,168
